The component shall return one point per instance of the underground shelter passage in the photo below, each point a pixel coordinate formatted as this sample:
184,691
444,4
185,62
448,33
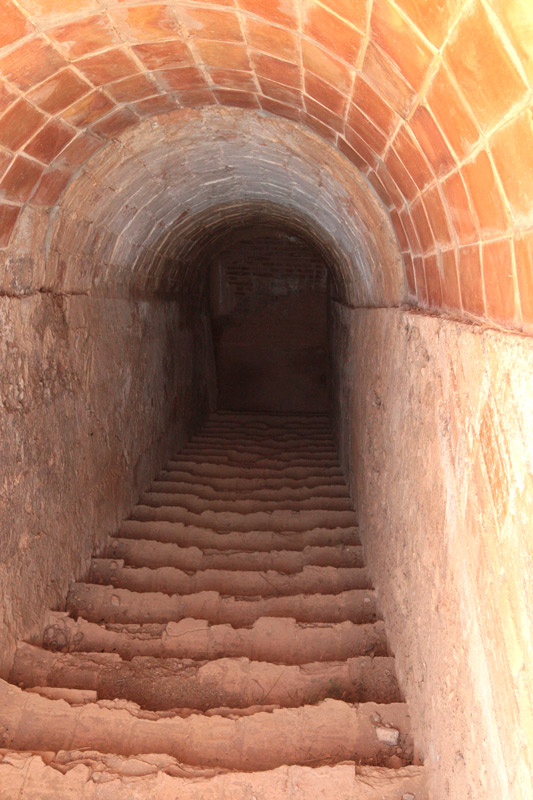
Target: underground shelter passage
266,399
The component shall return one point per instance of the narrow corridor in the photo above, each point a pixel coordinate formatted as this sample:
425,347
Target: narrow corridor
230,630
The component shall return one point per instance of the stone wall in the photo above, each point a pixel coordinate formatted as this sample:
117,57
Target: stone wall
434,421
94,393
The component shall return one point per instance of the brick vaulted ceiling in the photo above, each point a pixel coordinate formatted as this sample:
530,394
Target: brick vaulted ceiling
429,100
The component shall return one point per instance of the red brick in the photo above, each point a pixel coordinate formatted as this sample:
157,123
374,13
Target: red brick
284,94
420,277
459,209
230,97
381,72
412,158
8,219
431,18
131,89
323,64
325,94
409,274
401,42
207,23
437,216
19,124
31,63
20,180
90,108
498,280
77,39
451,296
409,228
79,150
331,32
50,141
45,9
484,70
160,104
145,22
400,176
353,11
523,246
373,106
14,24
107,67
282,12
159,55
280,109
7,97
116,123
366,130
233,79
488,203
400,232
348,151
323,114
5,160
390,185
420,221
196,97
361,145
59,91
433,282
470,280
451,114
50,188
381,191
324,131
275,69
512,149
182,79
226,55
430,140
277,42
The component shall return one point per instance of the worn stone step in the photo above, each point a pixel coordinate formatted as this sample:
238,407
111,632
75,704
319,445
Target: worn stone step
249,484
249,454
97,603
263,445
259,520
304,735
258,541
71,775
198,505
206,470
161,684
160,554
311,580
265,494
274,639
250,463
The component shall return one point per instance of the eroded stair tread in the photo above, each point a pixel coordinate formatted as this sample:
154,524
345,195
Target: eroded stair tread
260,541
90,775
198,505
278,640
263,740
171,683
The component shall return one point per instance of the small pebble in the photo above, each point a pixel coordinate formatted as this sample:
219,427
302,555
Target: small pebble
408,796
388,736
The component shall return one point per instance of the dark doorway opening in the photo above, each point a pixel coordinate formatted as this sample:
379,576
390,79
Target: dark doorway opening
268,298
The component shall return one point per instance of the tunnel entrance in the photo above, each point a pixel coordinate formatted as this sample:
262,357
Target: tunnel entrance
268,303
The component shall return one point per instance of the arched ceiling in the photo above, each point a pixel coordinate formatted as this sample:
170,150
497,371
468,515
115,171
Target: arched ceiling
429,100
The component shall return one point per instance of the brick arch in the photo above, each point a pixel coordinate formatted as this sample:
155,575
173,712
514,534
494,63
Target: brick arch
144,208
430,101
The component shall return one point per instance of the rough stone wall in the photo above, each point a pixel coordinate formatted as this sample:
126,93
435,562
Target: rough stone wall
94,393
434,420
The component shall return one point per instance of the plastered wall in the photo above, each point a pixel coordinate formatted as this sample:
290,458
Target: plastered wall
434,421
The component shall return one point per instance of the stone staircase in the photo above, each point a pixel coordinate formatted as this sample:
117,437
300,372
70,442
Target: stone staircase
226,646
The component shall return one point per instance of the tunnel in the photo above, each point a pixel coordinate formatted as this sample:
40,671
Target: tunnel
320,208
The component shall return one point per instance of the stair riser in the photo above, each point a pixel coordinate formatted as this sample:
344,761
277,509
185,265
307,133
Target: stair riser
156,554
261,541
161,684
232,492
242,584
197,505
